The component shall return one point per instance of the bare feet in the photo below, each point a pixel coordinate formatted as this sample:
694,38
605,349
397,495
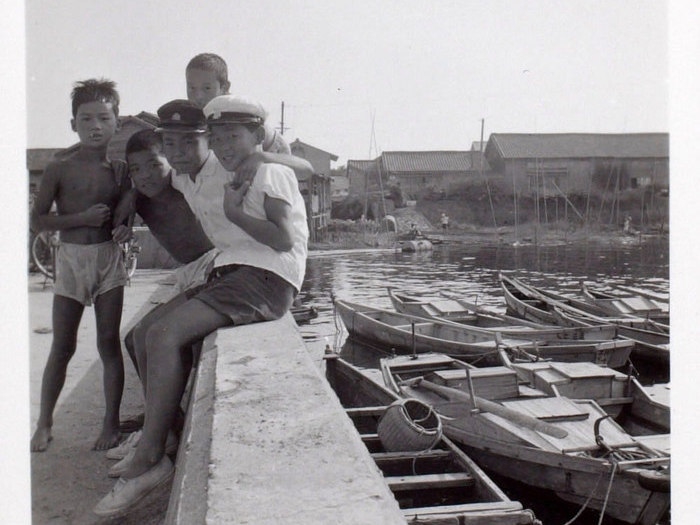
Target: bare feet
41,438
109,438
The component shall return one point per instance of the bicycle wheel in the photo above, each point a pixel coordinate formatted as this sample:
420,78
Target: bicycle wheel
44,254
130,262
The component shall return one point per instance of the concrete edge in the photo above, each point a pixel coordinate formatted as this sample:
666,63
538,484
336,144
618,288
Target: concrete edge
188,502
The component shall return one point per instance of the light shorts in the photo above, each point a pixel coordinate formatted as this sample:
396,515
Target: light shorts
84,271
194,273
246,294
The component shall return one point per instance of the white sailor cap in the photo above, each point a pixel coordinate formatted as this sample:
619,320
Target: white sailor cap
233,109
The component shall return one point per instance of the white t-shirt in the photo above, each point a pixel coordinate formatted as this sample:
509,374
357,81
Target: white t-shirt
206,198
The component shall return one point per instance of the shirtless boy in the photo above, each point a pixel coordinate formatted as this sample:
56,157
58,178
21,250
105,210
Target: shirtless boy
86,188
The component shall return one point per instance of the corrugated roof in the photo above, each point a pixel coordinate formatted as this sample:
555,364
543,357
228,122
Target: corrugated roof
580,145
426,161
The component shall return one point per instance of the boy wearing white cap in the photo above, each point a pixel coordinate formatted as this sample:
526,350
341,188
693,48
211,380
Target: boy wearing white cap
259,227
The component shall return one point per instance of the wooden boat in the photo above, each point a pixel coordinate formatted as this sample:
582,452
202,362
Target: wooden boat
638,409
626,303
452,309
535,304
404,333
546,299
649,344
437,486
571,447
416,245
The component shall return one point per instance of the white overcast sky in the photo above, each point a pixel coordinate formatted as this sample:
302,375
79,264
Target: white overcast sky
425,72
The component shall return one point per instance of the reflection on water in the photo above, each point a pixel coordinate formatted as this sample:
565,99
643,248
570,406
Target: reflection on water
471,272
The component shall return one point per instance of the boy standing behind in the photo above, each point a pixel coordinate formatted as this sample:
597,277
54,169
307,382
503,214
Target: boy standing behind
89,269
207,77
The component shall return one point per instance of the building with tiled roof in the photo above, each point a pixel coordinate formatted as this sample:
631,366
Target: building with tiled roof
566,163
416,172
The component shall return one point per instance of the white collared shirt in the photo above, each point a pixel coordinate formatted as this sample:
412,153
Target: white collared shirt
205,195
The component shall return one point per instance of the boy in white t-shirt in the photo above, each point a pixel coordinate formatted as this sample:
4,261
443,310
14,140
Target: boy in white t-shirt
259,227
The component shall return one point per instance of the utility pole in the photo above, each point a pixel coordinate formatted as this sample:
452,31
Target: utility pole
282,128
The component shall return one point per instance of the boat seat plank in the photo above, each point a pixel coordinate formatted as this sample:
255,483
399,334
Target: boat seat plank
426,324
549,408
582,370
381,457
429,481
365,411
489,506
603,402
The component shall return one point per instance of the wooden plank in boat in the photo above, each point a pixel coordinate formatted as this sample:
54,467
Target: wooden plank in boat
481,513
429,481
660,442
365,411
425,361
496,382
582,370
549,408
380,457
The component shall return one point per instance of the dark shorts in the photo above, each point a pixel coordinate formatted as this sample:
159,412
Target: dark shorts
246,294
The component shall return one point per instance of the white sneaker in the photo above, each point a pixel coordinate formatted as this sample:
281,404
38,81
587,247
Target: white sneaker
122,465
128,492
120,451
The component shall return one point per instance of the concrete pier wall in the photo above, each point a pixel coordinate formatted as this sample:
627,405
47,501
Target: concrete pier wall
266,440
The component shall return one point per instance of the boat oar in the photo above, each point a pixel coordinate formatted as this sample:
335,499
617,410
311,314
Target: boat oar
523,420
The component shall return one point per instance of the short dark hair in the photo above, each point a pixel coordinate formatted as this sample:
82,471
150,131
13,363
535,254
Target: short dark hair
95,90
144,140
210,62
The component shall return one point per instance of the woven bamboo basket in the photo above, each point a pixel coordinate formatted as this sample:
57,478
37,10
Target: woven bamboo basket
409,424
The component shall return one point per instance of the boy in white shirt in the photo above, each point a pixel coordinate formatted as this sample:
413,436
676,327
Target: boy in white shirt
260,228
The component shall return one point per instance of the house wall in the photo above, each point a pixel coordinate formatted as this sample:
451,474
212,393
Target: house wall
320,160
339,187
574,175
117,145
416,185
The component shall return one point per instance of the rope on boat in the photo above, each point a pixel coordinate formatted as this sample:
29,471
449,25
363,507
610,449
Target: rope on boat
585,503
607,493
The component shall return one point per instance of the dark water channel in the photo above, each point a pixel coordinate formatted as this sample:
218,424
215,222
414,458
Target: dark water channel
471,271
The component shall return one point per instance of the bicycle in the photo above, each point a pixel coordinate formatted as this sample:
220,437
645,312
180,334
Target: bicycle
45,245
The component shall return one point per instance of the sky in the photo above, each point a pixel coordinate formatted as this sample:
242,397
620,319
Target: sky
415,75
361,77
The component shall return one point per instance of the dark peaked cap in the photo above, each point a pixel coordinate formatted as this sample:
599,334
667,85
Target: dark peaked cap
181,115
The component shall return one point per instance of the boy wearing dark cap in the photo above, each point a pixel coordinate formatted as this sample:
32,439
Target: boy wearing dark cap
260,229
86,188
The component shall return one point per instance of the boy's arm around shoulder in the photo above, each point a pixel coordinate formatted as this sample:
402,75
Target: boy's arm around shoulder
41,216
275,152
276,231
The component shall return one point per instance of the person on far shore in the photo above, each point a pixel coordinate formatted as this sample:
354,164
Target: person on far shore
444,221
85,187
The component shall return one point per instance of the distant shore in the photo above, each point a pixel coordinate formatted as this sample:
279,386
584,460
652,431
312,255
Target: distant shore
352,241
